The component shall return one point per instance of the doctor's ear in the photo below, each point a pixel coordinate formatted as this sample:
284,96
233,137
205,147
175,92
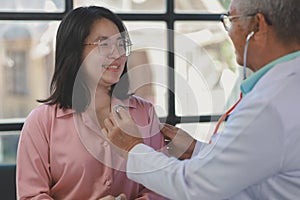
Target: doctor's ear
256,24
261,23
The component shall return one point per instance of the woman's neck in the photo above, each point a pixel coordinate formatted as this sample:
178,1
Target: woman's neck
100,106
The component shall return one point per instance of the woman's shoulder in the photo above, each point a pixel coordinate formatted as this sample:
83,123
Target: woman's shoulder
46,110
40,117
42,110
43,114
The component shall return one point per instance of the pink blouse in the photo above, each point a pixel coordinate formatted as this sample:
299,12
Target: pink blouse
63,155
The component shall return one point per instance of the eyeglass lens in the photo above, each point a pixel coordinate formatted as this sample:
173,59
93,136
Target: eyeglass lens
107,47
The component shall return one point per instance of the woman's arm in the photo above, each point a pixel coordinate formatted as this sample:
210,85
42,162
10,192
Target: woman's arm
33,176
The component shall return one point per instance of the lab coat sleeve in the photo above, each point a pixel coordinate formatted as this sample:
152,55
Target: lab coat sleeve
240,156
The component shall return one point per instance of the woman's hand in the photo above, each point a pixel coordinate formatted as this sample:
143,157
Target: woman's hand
181,144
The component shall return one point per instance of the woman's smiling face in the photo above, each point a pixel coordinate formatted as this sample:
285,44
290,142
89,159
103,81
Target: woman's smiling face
103,57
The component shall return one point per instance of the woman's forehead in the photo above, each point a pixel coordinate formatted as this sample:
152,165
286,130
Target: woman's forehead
104,29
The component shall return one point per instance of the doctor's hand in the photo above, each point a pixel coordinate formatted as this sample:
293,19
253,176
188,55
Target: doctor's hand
181,144
121,130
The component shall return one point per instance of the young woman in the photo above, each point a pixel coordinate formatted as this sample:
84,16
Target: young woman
62,153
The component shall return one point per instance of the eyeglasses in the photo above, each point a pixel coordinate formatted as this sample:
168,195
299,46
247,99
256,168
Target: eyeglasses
227,19
107,46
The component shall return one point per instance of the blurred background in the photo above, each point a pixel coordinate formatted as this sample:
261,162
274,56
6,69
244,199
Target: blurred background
182,60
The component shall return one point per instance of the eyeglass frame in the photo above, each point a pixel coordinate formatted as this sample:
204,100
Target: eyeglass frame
127,46
231,17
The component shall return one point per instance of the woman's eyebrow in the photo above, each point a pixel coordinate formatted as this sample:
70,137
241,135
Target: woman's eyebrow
101,38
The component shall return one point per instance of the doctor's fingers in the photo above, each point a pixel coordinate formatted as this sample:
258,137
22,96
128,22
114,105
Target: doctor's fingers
109,123
121,114
108,129
169,131
169,126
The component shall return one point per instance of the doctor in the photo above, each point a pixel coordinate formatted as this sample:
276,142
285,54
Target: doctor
256,156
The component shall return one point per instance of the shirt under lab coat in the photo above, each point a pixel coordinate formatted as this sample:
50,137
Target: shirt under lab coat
255,157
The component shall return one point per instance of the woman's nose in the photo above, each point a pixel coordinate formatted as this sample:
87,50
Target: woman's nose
114,51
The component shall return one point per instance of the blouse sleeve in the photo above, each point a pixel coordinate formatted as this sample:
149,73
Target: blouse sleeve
33,174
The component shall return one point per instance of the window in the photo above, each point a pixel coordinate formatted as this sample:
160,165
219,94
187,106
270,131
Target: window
23,6
182,57
16,73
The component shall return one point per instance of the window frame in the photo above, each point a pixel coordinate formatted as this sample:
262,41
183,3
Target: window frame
170,17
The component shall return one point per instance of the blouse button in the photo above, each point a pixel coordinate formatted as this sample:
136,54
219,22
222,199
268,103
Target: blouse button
108,183
105,144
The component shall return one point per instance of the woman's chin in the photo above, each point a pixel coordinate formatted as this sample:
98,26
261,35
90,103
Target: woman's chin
108,82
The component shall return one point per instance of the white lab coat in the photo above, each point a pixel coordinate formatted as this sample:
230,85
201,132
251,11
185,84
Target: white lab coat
257,156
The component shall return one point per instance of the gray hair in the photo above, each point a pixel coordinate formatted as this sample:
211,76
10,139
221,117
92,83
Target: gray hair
283,15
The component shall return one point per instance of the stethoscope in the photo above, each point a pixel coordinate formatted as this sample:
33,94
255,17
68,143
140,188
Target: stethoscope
223,117
245,53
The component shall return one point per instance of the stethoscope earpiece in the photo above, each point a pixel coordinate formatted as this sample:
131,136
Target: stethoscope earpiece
245,52
249,36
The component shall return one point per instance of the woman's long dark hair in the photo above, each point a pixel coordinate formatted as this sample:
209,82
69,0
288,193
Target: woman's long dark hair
72,31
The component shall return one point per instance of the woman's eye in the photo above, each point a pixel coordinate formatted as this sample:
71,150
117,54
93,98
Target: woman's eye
103,44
